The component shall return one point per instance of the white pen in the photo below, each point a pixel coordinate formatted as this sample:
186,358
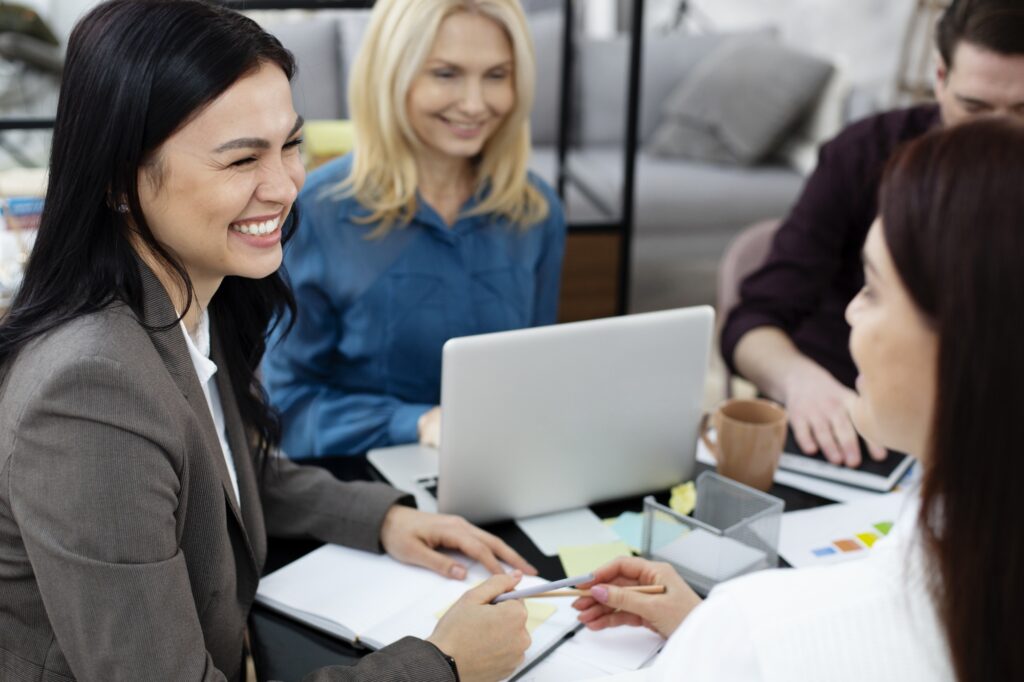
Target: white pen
526,592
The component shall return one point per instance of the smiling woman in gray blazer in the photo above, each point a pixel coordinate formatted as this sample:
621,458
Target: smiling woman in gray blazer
137,471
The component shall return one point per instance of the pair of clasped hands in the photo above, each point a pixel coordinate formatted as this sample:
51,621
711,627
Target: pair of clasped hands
488,641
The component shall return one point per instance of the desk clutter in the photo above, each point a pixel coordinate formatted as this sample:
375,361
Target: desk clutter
734,529
731,529
712,531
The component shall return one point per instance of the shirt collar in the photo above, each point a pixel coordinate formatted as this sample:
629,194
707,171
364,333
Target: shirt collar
199,348
427,216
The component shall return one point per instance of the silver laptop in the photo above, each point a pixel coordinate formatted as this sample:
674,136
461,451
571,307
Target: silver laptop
552,418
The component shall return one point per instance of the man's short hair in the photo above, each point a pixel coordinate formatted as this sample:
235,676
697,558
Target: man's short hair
996,25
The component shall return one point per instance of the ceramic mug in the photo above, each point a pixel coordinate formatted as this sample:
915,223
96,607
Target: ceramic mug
751,435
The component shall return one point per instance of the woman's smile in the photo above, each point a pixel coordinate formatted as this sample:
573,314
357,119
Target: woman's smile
260,231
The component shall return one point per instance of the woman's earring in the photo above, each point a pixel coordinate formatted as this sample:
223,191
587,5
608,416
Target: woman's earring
120,206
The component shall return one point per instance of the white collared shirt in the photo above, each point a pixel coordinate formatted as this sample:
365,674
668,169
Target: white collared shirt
199,351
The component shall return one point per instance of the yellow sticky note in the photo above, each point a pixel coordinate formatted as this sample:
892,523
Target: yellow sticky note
684,498
867,538
536,613
584,559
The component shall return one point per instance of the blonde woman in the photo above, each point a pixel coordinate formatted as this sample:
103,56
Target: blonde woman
433,228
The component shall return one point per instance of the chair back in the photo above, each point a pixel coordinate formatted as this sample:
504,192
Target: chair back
745,254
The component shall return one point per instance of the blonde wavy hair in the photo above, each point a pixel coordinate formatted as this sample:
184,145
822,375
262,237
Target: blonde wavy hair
384,176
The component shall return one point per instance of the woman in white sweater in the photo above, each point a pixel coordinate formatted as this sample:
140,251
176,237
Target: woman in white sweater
936,338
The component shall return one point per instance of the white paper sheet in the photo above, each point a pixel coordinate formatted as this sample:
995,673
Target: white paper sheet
712,556
808,537
560,667
549,532
614,650
329,582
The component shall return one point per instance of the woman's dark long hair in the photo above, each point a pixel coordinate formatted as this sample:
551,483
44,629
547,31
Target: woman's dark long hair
136,72
952,207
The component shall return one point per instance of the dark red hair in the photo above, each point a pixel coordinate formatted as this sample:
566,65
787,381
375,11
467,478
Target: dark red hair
952,208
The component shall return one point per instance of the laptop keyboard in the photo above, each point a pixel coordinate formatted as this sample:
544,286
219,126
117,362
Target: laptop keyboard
429,484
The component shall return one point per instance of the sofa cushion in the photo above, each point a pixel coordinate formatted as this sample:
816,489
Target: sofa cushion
604,67
820,124
675,196
738,104
352,25
546,29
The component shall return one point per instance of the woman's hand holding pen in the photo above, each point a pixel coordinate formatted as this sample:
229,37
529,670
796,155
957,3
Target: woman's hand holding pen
414,537
609,605
487,641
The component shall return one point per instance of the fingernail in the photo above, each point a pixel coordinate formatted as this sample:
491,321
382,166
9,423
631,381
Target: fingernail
458,572
517,573
600,594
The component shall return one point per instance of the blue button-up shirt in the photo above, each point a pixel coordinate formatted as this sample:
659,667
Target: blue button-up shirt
363,360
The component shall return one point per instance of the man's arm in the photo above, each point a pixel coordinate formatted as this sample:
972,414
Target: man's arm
811,251
815,400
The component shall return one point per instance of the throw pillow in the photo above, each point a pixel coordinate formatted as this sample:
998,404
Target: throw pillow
604,70
738,104
317,85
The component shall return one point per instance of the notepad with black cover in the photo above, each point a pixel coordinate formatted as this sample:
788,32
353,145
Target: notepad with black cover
871,474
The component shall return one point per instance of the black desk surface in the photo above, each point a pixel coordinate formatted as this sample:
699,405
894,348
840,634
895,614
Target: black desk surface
286,650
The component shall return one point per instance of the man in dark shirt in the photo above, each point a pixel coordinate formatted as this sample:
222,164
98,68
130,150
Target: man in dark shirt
788,334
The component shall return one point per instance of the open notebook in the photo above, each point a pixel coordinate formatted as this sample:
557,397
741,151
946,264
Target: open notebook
375,600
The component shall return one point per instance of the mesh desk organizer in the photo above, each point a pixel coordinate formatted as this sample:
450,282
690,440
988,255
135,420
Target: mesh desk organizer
734,530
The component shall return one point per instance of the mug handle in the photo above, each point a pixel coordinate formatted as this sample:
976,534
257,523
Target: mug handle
705,425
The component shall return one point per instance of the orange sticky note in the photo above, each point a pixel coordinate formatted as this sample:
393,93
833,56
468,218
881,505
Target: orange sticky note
847,545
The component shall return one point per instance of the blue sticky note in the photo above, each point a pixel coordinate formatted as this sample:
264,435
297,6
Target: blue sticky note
630,528
823,551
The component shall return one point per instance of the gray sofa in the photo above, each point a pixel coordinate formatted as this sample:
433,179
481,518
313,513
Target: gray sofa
686,212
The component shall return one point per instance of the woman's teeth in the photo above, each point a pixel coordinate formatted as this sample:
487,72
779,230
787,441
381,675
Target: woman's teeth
265,227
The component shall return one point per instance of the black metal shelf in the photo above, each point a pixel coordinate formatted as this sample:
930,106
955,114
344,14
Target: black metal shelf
623,223
26,123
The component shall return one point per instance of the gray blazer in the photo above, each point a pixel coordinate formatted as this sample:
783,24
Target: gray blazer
123,555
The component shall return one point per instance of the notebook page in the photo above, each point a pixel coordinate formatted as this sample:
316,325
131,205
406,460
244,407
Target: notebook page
354,589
